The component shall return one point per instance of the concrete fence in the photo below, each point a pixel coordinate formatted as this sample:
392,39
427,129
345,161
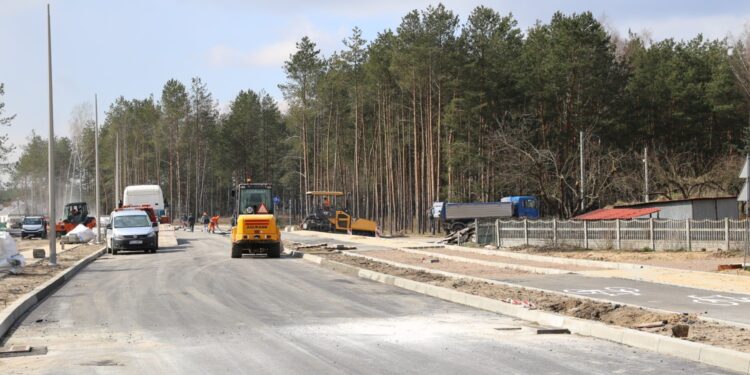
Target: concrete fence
657,234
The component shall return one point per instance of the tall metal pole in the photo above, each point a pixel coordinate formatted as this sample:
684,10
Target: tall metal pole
747,220
117,168
96,158
51,153
645,174
583,189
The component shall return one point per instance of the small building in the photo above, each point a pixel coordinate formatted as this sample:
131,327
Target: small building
619,213
717,208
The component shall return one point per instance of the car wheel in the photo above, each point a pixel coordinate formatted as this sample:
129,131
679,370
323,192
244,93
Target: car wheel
114,251
236,251
275,251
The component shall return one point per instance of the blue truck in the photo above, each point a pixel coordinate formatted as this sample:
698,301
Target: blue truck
456,216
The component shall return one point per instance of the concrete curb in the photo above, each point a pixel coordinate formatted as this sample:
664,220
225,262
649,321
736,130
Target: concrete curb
511,266
17,309
707,354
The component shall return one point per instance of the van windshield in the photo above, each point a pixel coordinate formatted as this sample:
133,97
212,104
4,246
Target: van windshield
133,221
32,221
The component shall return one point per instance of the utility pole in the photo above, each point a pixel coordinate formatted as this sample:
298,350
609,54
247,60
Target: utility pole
96,166
645,174
51,153
117,169
583,189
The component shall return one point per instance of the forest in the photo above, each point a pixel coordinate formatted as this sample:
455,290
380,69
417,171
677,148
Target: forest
442,108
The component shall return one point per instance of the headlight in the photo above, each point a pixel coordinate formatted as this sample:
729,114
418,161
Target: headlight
119,237
152,234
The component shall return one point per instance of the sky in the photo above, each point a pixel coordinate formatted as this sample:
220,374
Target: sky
132,47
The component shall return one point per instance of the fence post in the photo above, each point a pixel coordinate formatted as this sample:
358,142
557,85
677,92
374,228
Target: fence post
554,231
526,231
687,232
476,231
497,232
651,233
726,233
617,235
585,234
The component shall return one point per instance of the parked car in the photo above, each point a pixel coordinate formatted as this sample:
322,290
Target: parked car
131,230
14,224
34,226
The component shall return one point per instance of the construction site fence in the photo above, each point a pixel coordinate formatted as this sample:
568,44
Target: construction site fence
655,234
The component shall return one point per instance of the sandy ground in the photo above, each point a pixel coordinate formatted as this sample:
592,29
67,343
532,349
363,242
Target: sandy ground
476,270
625,316
14,286
688,260
502,259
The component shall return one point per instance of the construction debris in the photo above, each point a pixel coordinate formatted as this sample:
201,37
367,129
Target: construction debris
39,253
680,330
430,260
552,331
652,325
467,234
724,267
10,260
341,247
311,246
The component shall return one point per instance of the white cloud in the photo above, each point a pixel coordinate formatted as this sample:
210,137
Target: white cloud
686,27
272,55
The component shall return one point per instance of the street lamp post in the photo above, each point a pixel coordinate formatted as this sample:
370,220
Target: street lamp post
96,158
51,153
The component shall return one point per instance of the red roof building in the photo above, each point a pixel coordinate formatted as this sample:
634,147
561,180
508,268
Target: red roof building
619,213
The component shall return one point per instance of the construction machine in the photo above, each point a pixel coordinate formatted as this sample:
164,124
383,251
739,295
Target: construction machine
74,214
254,228
329,216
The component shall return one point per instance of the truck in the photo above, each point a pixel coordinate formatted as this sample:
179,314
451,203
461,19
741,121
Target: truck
456,216
139,195
254,227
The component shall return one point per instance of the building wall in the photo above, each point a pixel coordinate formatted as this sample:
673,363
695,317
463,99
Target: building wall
728,208
674,210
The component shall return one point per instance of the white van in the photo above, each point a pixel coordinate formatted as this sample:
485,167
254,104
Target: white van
137,195
131,230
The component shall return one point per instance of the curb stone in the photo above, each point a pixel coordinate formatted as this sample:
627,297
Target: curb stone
18,308
703,353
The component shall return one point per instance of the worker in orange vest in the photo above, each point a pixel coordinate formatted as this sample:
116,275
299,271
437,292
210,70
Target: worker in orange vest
213,224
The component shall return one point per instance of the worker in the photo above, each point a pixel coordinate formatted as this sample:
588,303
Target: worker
213,224
191,222
205,220
326,204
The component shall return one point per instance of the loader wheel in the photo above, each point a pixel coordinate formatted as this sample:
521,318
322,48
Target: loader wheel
236,251
275,251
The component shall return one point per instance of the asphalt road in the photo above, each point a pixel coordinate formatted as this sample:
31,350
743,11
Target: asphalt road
193,310
731,307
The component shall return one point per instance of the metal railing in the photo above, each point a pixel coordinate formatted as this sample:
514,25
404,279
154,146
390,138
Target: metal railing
656,234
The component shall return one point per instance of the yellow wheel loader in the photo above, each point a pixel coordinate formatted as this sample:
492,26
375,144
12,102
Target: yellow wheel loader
327,216
254,229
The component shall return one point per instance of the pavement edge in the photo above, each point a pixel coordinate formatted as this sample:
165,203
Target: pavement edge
703,353
18,308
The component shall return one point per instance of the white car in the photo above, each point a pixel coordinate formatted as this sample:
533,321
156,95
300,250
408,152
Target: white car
131,230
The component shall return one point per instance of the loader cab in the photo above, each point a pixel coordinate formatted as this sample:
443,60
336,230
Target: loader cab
76,213
253,198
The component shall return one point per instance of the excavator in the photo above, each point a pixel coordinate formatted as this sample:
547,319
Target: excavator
327,216
74,213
